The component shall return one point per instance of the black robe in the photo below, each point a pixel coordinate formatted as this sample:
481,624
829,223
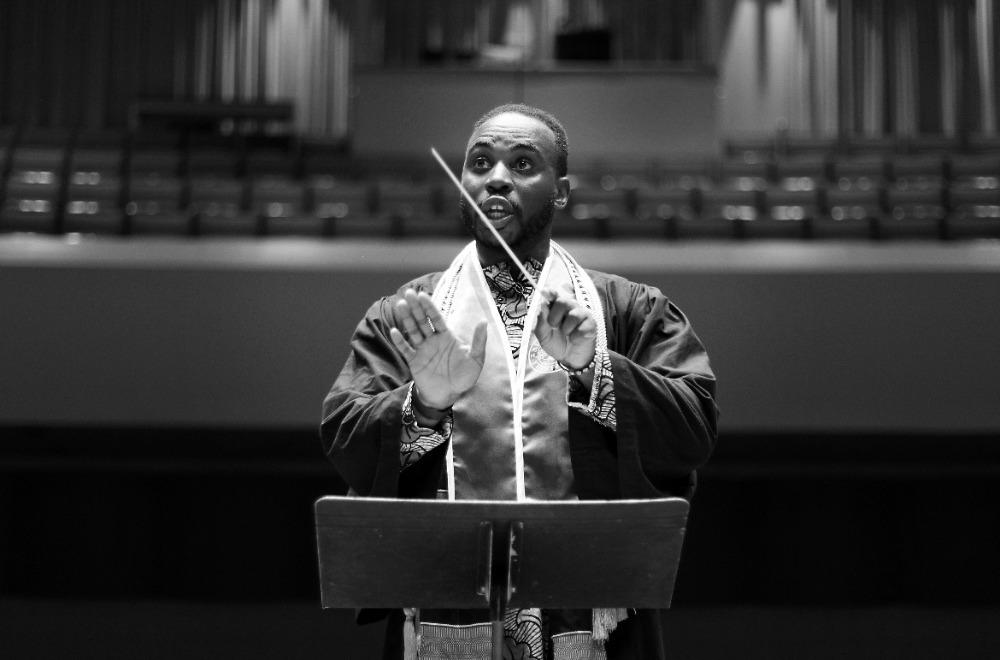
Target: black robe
665,409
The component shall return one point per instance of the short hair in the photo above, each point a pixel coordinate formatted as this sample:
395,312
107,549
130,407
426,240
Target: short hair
547,118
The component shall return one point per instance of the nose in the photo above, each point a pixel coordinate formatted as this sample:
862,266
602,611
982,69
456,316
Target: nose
499,182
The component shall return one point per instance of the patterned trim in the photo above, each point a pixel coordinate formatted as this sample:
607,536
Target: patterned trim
600,405
417,440
439,641
576,646
447,297
523,638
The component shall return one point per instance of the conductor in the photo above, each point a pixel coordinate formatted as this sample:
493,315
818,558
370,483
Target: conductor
484,381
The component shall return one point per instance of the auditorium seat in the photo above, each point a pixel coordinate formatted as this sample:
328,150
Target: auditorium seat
155,194
931,144
319,159
150,196
218,205
275,196
984,143
347,207
602,206
213,160
847,213
790,207
662,207
974,210
974,171
414,208
29,203
717,213
915,196
34,182
850,213
973,195
855,204
917,170
271,161
914,212
802,171
93,205
860,172
802,145
280,202
730,204
94,196
748,172
871,146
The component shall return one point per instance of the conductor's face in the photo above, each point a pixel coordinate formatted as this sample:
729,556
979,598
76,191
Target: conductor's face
509,171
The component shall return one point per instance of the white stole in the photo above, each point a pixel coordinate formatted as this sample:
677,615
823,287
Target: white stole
510,439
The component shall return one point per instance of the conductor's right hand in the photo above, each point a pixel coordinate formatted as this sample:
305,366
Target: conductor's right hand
443,367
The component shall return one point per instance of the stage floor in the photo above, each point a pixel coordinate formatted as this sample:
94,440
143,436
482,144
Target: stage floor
291,630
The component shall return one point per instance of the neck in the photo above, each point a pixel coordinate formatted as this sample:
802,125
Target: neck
491,254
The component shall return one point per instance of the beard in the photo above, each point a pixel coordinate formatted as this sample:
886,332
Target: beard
530,227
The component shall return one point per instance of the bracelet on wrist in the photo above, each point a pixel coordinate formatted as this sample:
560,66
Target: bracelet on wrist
581,371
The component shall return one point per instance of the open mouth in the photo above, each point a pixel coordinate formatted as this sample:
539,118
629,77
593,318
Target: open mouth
496,208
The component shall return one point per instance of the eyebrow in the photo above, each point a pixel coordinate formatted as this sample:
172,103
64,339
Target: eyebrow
484,143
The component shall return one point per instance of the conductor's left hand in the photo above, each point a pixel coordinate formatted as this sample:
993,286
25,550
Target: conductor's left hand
565,328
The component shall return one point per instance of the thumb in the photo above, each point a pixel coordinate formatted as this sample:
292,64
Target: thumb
477,350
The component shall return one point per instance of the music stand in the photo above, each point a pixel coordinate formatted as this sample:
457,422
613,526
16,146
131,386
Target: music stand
471,554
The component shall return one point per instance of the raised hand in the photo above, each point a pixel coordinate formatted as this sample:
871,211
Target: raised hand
566,329
443,368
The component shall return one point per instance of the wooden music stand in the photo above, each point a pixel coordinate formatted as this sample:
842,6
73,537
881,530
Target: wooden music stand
389,553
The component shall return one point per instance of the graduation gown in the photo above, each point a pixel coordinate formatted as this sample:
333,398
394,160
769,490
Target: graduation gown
665,408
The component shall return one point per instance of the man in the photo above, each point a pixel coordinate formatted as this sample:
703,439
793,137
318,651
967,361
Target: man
470,384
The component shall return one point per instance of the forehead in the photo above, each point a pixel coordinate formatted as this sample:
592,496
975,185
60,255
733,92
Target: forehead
512,129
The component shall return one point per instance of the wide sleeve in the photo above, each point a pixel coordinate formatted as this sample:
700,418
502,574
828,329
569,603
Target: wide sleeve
362,424
665,392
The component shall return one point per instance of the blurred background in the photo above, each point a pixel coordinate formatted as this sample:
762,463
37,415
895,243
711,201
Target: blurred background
200,198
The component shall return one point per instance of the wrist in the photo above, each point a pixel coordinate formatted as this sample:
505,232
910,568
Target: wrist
579,371
426,414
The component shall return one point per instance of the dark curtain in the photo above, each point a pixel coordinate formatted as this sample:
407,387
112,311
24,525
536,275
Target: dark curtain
79,64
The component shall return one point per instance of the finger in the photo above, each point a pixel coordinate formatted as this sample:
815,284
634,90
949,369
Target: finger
573,320
542,327
558,309
408,322
431,312
477,350
419,316
586,331
399,341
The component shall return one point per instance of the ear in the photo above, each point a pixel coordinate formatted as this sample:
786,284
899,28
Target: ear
562,192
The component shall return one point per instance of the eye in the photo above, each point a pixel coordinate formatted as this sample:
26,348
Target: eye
523,164
479,163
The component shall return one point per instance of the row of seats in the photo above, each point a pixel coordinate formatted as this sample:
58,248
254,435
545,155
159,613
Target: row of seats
783,144
131,187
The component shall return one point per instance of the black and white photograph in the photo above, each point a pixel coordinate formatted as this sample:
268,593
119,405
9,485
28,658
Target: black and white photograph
500,329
